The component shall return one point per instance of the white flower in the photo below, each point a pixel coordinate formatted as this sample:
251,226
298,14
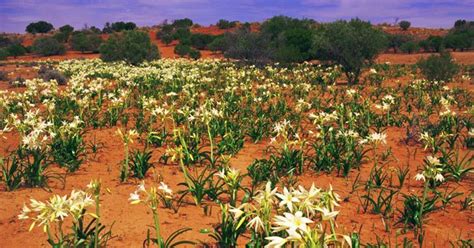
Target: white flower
163,187
433,160
287,198
134,197
420,176
275,242
439,177
291,222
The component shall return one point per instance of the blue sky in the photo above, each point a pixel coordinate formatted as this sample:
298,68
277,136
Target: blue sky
16,14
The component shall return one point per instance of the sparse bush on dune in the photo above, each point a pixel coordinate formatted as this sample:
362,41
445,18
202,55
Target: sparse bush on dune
438,67
133,47
47,46
354,45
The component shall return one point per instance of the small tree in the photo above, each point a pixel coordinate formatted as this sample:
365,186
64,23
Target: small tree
354,45
438,67
133,47
404,25
48,46
39,27
182,23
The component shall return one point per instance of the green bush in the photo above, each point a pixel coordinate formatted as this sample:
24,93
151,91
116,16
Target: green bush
182,34
133,47
224,24
182,50
410,47
395,41
201,41
167,38
67,29
458,41
218,44
48,46
438,67
86,41
432,44
195,54
118,27
3,54
183,23
61,37
404,25
248,46
354,45
16,50
39,27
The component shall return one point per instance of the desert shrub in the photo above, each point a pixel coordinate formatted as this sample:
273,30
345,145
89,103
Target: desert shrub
3,54
432,44
224,24
86,41
354,45
182,34
182,23
438,67
39,27
201,41
461,36
182,50
218,44
48,46
133,47
458,41
404,25
47,73
61,37
247,46
67,29
290,39
167,38
410,47
195,54
395,41
16,50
